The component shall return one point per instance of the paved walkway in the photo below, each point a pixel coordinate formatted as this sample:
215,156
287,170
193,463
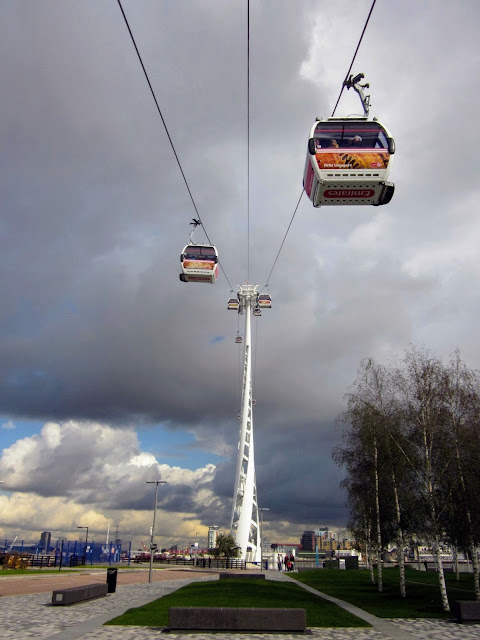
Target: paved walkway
26,617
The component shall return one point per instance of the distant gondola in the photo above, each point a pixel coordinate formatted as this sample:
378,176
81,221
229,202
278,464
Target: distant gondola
233,304
257,312
264,301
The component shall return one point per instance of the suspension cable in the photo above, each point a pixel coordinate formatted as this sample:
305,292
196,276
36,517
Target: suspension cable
353,59
283,241
343,86
167,132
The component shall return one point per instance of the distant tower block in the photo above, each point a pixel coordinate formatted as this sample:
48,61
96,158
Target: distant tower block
212,536
245,526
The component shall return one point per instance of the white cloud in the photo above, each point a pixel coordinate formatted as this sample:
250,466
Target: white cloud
9,425
83,471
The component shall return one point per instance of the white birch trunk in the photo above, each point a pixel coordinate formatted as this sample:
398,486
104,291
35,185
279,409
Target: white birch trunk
473,553
476,581
400,557
455,561
370,566
431,499
441,577
379,531
401,566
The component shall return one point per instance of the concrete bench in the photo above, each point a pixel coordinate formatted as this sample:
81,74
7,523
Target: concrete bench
467,610
244,574
78,594
236,619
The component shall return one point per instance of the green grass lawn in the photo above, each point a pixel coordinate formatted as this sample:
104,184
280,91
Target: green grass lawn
241,592
18,572
423,593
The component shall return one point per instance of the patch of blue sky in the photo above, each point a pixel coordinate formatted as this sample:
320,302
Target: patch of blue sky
175,448
12,429
217,339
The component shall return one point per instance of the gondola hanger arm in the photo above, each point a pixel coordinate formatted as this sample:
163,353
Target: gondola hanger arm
354,82
194,223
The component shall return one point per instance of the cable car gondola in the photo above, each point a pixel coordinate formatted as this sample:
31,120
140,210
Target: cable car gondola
349,159
264,301
233,304
257,312
238,340
199,263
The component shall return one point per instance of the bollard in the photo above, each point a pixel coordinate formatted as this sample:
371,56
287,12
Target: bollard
112,580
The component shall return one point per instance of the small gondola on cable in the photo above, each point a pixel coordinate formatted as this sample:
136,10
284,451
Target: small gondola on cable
199,261
349,159
257,311
233,304
239,339
264,301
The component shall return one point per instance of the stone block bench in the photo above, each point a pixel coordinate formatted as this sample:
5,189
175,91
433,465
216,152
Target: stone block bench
78,594
244,574
236,619
467,610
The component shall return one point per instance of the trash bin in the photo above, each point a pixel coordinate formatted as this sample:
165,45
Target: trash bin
112,580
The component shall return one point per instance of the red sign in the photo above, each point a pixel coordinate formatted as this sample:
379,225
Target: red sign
348,193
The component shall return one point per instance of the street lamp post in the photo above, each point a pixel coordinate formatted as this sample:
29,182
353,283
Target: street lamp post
152,548
86,542
261,509
130,548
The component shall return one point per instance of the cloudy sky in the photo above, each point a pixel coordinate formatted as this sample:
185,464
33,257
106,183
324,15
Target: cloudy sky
112,371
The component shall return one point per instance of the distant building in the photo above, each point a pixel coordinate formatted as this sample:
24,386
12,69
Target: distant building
212,536
308,540
45,540
323,539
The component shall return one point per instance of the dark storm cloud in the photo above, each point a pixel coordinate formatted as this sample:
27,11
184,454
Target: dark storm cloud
94,234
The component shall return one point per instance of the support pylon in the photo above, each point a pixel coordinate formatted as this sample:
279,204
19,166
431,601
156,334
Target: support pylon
244,524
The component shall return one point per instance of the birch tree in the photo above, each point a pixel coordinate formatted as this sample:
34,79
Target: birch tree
462,406
365,452
421,383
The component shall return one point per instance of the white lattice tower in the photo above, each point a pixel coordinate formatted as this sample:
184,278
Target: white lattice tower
245,526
